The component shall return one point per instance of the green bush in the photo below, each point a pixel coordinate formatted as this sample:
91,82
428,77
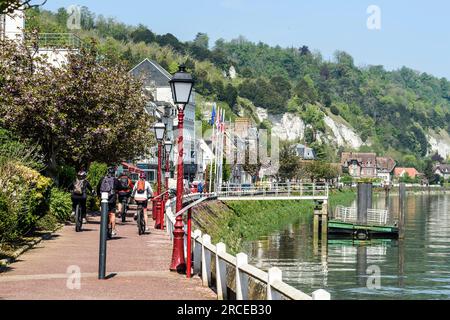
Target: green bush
27,195
96,172
8,223
334,110
60,204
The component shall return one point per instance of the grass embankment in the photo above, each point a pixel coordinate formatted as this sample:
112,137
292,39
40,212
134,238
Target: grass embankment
234,222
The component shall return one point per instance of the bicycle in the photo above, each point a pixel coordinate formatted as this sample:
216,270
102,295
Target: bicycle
140,218
123,214
78,218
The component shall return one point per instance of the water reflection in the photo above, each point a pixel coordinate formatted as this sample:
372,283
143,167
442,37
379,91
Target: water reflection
417,267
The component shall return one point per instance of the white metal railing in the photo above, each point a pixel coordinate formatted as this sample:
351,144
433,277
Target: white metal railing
374,216
275,190
57,40
203,250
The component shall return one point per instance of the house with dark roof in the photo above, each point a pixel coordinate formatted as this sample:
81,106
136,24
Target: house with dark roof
442,170
160,104
368,165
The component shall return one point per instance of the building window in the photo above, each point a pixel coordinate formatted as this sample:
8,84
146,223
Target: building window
151,175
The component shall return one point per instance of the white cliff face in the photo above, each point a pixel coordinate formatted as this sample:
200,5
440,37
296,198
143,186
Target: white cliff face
343,135
290,127
440,143
232,72
287,126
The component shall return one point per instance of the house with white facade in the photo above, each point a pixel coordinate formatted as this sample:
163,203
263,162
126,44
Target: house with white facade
160,104
53,47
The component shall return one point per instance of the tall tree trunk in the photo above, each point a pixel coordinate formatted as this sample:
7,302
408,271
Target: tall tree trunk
52,167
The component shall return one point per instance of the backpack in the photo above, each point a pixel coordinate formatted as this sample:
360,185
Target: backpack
107,185
124,183
141,186
78,187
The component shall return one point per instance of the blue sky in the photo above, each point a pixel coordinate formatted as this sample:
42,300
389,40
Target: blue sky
413,33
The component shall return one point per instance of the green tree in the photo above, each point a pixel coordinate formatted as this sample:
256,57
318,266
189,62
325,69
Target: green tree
289,162
143,34
201,40
77,114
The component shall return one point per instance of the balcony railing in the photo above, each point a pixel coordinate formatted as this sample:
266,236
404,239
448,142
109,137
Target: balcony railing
56,41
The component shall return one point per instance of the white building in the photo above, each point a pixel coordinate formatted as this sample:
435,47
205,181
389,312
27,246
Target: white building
12,26
54,47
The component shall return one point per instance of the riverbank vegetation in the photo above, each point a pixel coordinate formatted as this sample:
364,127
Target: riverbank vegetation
234,222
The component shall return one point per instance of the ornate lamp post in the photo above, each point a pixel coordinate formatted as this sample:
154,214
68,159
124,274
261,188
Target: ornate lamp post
168,149
181,85
159,129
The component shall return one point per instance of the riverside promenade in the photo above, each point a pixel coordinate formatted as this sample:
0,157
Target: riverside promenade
137,268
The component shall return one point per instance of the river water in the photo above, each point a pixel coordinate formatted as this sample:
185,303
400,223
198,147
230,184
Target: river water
415,268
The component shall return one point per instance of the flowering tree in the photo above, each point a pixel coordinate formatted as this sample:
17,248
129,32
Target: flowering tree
85,111
9,6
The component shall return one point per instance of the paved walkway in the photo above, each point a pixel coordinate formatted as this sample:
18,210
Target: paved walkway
138,267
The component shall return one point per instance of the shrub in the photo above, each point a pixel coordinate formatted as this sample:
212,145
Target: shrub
60,204
8,223
96,172
27,193
334,110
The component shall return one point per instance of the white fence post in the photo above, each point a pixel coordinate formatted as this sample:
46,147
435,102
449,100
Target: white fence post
241,277
321,295
221,272
206,261
275,274
197,252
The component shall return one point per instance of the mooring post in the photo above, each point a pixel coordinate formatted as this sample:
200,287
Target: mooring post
361,265
324,213
364,201
387,190
402,208
317,214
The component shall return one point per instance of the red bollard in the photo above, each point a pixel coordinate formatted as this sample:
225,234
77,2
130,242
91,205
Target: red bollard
189,244
158,214
163,210
153,209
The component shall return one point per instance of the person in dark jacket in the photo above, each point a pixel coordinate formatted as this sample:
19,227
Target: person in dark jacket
111,185
79,189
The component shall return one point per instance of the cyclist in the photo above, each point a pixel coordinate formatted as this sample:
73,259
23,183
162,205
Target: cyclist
125,193
111,185
142,191
79,195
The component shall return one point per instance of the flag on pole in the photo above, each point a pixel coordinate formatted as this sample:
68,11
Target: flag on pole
213,115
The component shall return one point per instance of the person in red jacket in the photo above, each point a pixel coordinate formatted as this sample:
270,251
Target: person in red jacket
125,193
